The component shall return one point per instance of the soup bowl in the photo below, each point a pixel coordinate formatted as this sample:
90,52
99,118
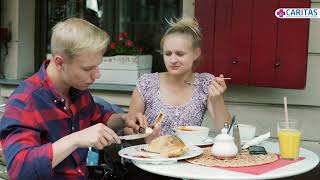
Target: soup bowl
192,135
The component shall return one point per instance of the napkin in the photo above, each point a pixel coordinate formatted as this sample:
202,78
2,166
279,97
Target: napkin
256,140
263,168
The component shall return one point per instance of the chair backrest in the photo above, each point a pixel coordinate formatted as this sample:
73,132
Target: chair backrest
2,106
106,105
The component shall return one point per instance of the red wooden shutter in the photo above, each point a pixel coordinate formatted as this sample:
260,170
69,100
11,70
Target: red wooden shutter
240,41
292,51
264,43
222,43
245,41
205,15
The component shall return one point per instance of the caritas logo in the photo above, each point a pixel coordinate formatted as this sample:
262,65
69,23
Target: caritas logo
297,13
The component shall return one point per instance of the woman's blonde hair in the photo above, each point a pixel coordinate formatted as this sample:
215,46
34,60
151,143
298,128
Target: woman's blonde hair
75,36
184,25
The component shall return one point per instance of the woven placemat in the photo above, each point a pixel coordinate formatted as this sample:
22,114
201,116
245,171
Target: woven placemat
241,160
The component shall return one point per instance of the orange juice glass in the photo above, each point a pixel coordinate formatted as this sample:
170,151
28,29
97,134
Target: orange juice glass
289,139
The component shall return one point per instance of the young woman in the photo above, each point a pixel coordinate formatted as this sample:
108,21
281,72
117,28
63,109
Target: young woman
181,94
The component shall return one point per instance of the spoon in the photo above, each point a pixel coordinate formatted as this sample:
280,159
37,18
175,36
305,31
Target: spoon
232,122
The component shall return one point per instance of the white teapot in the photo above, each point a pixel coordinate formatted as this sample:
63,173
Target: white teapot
224,146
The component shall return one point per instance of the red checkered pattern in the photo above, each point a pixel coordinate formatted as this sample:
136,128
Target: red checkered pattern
34,118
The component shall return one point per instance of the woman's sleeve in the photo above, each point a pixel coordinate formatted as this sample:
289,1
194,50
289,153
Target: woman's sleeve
205,79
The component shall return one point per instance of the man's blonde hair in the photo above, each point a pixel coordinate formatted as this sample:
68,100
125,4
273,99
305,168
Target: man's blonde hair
75,36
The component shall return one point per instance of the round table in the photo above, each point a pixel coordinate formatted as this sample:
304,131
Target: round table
191,171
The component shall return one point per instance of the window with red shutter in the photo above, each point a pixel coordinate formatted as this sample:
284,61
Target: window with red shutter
245,41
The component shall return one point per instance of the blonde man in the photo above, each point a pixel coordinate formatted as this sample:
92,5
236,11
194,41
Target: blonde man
51,119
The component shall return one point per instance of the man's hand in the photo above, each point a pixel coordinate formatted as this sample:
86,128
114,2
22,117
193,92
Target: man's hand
135,121
216,88
97,136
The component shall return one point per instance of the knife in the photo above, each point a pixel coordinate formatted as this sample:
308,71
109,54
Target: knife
133,136
148,131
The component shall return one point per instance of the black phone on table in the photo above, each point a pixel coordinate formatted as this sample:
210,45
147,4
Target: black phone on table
254,150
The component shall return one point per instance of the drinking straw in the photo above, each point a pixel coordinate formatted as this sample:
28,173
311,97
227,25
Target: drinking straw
286,111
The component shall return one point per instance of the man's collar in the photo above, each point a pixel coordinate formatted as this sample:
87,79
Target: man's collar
46,81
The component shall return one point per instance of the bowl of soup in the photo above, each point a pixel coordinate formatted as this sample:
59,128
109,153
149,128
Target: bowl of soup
192,135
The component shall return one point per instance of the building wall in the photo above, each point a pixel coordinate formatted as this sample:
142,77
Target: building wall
26,38
188,8
9,19
19,15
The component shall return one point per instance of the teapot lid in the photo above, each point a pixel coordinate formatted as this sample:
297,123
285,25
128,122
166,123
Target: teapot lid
224,136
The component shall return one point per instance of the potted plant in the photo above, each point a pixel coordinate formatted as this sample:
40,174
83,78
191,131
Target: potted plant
123,46
124,62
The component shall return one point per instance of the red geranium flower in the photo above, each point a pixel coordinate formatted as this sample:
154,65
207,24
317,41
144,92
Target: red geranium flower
123,35
129,43
113,45
123,46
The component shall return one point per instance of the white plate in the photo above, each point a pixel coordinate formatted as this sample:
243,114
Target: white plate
136,153
206,142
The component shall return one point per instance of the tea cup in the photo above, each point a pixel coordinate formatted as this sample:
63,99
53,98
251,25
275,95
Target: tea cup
192,135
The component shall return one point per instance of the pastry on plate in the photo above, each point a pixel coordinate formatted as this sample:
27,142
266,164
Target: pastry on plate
168,146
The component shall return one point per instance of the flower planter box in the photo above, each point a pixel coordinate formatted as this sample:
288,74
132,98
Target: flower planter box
123,69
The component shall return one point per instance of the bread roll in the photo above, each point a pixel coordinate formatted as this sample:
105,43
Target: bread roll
168,146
